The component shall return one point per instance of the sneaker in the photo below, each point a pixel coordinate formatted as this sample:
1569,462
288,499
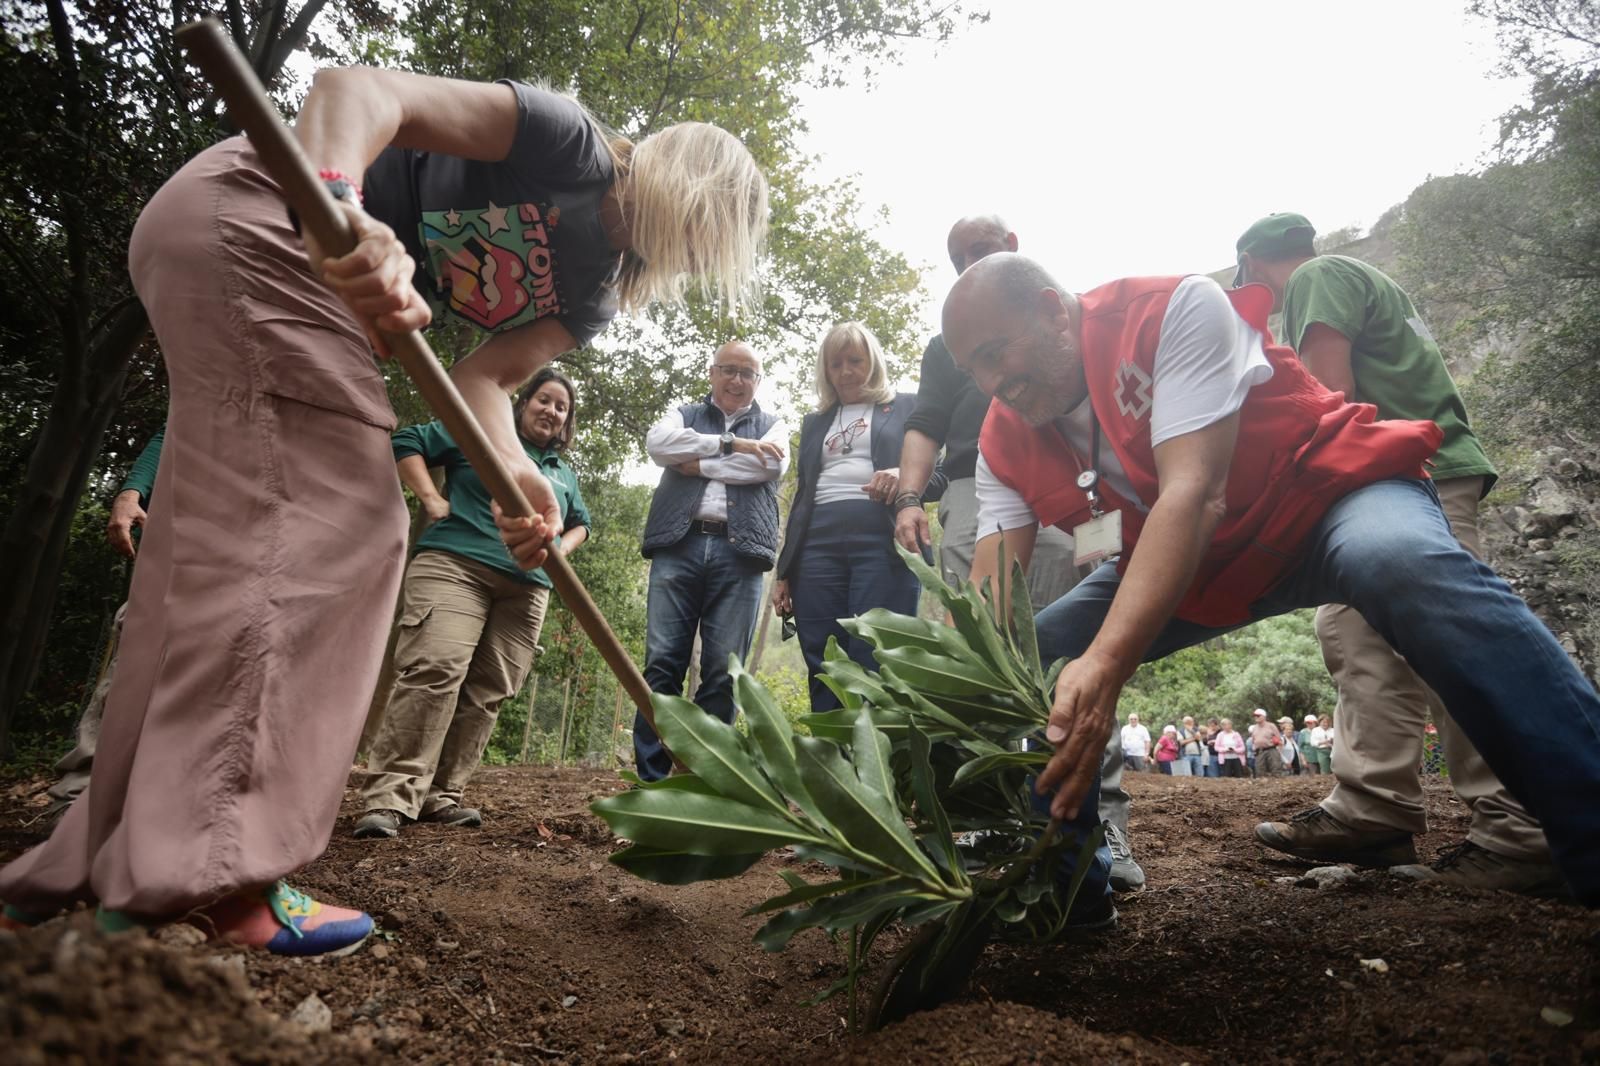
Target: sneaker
1318,836
1126,875
1089,919
379,823
286,922
456,815
15,918
1467,865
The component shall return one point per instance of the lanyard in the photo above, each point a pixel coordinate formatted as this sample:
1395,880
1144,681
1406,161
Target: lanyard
1089,480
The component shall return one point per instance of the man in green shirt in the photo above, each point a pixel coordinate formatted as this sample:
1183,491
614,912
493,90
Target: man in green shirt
1358,333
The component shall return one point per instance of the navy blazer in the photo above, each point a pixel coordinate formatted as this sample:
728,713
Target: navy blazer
888,433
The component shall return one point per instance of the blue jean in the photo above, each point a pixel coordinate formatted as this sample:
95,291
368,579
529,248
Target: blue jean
847,566
1196,765
1213,768
1387,550
700,584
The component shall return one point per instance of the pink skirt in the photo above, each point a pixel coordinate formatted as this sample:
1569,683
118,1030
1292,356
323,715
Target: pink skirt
266,578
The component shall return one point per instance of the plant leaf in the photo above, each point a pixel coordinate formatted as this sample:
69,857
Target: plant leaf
805,893
671,820
715,752
940,836
982,767
1022,627
940,675
869,820
771,735
678,867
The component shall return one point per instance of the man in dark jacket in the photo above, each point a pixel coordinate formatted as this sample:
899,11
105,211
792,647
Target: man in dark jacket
711,535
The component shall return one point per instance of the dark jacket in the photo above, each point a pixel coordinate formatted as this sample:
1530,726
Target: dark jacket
888,433
752,509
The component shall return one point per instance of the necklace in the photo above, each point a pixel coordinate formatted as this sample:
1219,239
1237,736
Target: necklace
848,436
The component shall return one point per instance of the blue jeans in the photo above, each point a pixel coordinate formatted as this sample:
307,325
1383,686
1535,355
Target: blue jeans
700,584
1386,550
847,566
1196,765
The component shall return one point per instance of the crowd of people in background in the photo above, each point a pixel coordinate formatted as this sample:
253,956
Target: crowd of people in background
1214,748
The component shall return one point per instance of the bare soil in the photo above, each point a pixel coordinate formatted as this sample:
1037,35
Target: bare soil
520,942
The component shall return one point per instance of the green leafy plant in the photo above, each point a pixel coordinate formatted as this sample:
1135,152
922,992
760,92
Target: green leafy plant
915,794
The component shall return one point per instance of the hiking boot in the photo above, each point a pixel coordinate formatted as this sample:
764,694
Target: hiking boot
379,823
285,922
1317,836
456,815
1467,865
1126,875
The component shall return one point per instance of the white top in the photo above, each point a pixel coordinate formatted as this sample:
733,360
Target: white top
1207,361
1135,741
670,442
845,474
1321,737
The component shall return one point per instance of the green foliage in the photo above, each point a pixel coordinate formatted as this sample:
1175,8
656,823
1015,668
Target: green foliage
922,748
1275,663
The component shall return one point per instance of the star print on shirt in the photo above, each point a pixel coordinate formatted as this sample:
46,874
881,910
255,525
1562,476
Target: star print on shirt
452,218
496,218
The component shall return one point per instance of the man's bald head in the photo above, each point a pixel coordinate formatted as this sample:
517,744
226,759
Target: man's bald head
977,236
1013,327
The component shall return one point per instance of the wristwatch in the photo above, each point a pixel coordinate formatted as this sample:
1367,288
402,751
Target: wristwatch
727,442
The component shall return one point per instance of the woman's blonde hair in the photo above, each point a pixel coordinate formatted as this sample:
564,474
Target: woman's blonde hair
853,335
696,208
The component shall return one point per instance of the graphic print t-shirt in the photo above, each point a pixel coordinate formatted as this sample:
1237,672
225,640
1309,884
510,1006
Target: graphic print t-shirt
504,244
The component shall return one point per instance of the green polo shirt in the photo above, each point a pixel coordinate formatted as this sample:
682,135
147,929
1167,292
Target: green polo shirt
469,530
142,475
1397,365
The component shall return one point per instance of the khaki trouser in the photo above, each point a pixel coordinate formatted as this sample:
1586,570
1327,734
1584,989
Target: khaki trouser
1383,708
466,643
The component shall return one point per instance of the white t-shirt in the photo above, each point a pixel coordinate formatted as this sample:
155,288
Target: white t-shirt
845,474
1135,741
669,442
1207,361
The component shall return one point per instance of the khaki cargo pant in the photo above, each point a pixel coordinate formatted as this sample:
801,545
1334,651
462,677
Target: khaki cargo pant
466,643
1383,707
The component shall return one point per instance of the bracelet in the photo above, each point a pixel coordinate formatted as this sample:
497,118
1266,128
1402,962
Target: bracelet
907,499
337,181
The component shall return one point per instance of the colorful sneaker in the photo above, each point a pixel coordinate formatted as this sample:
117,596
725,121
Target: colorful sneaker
1317,836
116,921
1467,865
286,922
456,815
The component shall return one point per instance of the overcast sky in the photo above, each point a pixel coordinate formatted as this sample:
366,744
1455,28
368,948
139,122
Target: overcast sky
1141,138
1132,138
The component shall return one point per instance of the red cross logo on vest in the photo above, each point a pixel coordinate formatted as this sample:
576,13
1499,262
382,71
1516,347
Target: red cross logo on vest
1133,391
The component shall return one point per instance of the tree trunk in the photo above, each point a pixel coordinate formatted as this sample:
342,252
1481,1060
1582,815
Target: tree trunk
35,539
753,660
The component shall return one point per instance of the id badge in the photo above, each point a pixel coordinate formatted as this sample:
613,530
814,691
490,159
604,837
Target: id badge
1098,539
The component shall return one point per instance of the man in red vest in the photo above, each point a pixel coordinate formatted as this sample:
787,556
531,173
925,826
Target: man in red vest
1155,420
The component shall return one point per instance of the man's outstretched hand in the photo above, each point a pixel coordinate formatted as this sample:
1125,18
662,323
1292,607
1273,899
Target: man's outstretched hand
1080,725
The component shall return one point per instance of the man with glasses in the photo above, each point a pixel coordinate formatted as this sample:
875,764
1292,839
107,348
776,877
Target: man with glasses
711,536
1357,331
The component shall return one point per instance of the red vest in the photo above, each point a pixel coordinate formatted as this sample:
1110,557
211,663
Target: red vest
1300,449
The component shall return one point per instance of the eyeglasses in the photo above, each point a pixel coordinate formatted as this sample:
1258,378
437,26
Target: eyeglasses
743,373
845,439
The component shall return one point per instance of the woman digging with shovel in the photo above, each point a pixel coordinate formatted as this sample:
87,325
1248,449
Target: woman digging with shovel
260,608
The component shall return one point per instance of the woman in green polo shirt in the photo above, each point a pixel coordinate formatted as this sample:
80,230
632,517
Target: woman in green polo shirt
469,618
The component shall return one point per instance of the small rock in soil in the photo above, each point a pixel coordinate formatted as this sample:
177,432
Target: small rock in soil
417,963
1555,1016
1326,876
227,963
180,935
313,1014
568,1001
394,919
446,945
1375,965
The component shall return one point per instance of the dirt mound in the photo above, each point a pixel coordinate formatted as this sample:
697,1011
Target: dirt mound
520,943
999,1034
69,994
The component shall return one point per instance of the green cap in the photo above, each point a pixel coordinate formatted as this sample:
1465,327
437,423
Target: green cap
1277,236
